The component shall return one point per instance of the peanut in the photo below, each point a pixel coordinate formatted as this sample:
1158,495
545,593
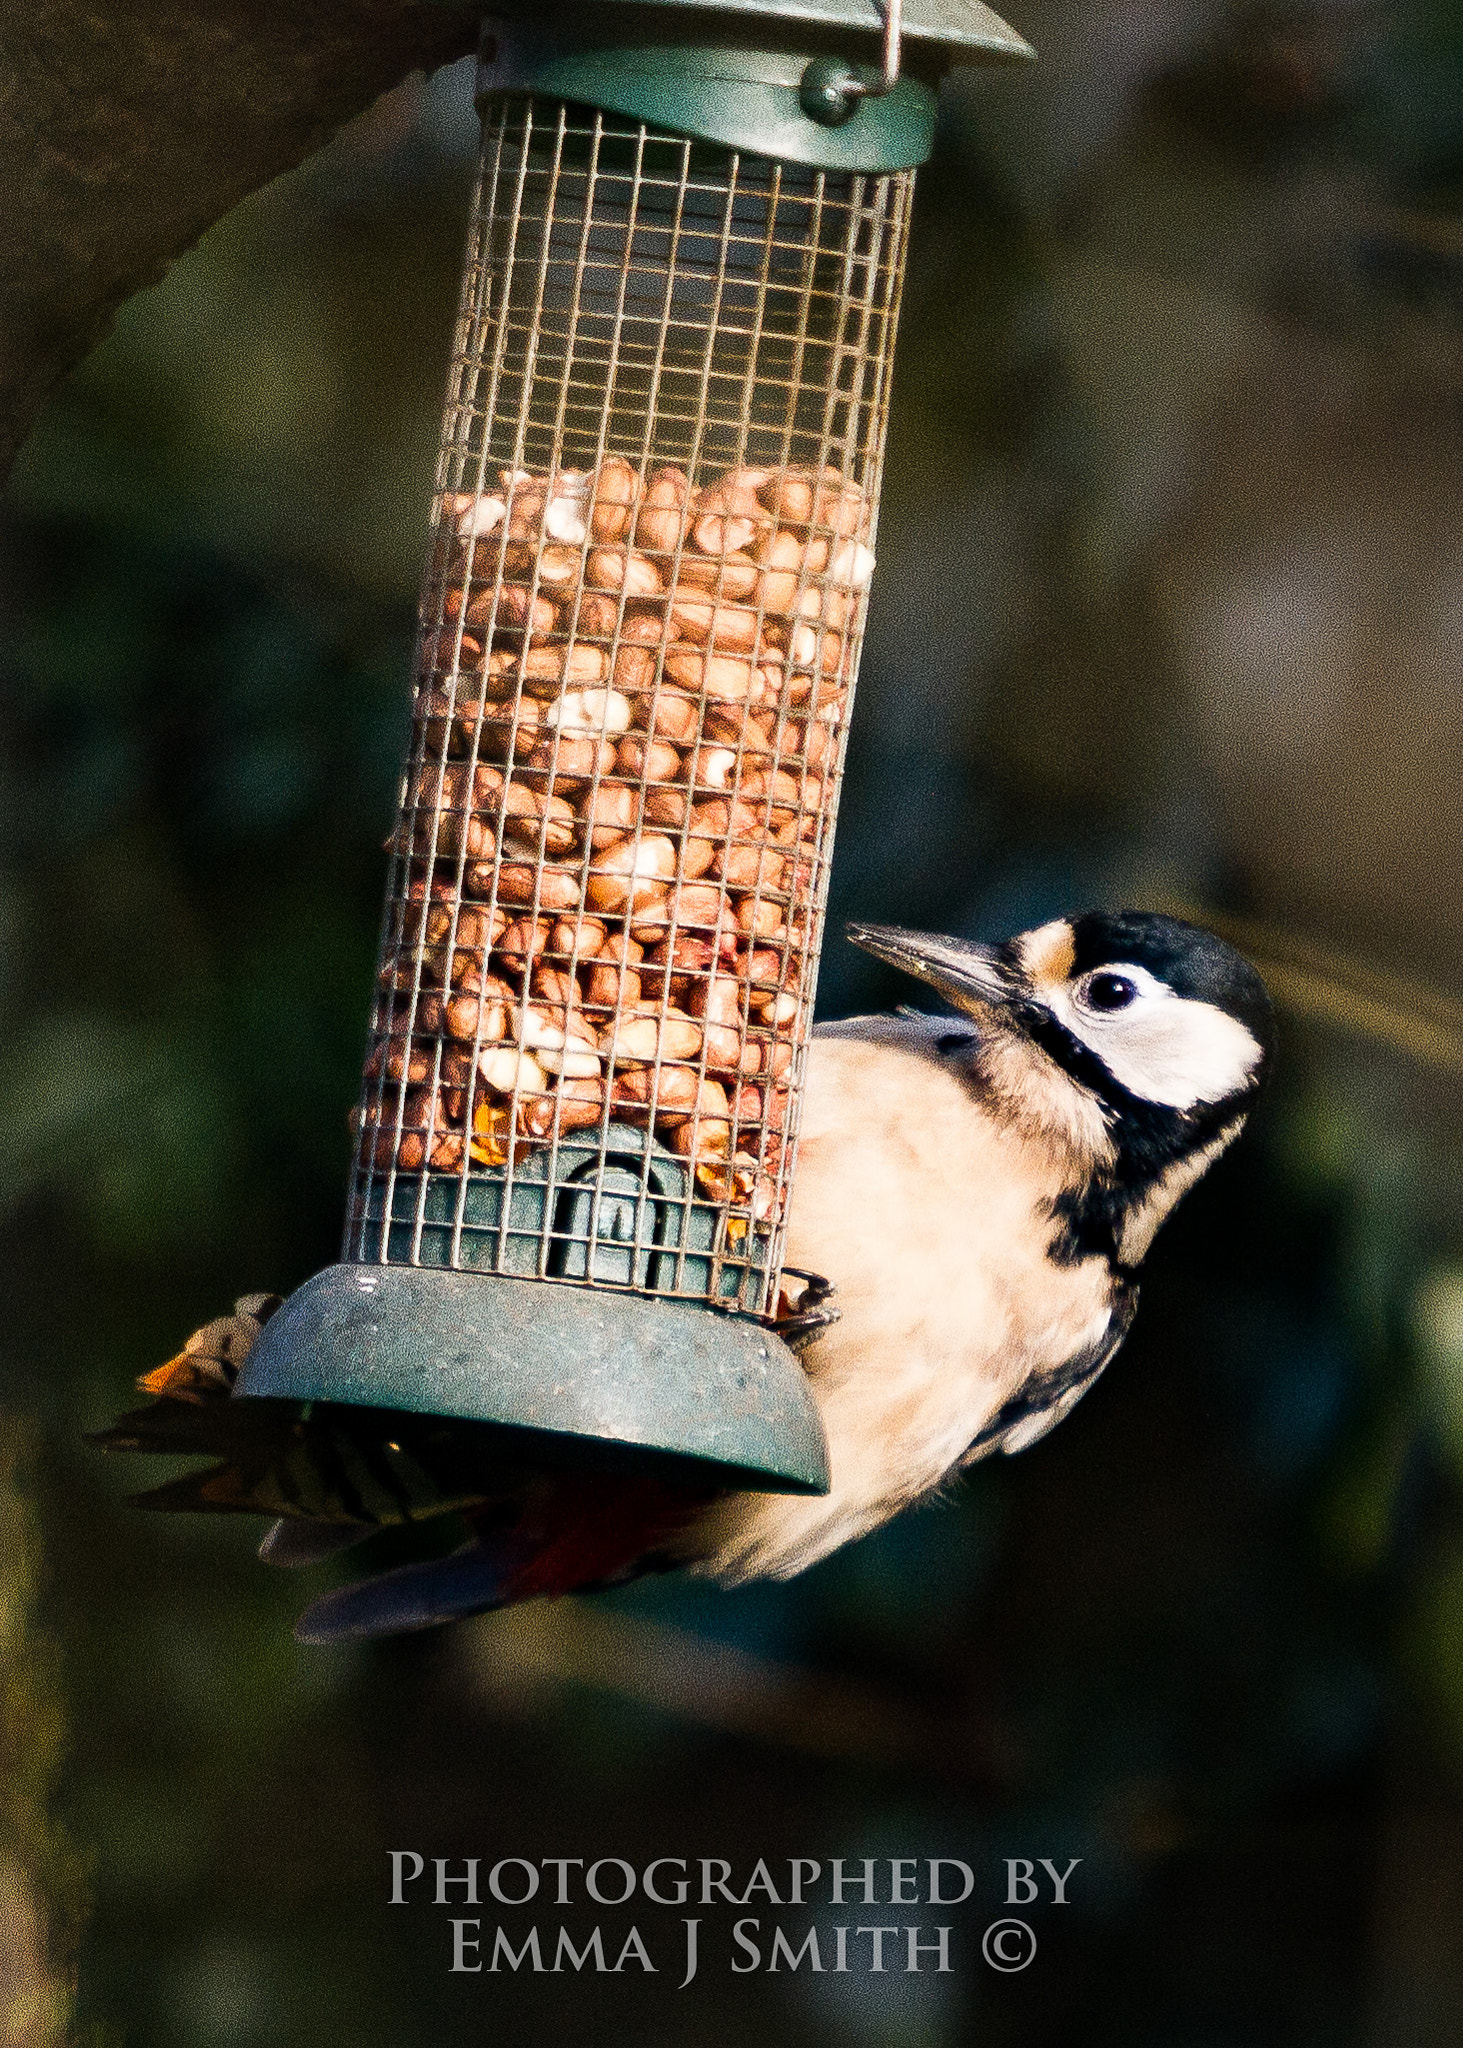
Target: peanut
843,507
533,818
596,618
762,967
575,664
738,726
668,714
689,906
641,1037
608,987
785,790
721,818
616,488
473,513
627,876
661,519
731,628
443,651
501,735
709,1100
431,923
463,969
666,807
442,835
634,668
399,1059
580,1100
551,1028
727,532
729,576
508,1068
585,714
550,888
564,512
770,1056
516,606
711,675
852,565
558,566
574,1061
481,1017
581,938
712,767
752,867
788,497
611,569
523,941
758,918
687,953
570,762
785,562
697,855
645,760
673,1089
450,786
700,1138
809,740
610,810
778,1009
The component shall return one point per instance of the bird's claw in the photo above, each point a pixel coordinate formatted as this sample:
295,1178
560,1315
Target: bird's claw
803,1305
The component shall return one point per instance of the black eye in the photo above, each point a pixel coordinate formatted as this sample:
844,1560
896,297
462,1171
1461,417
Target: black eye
1109,992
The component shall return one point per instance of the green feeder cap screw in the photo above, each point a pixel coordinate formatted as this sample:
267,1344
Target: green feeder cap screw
830,90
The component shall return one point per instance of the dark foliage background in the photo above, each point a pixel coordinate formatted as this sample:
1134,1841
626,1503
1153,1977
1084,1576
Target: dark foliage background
1168,609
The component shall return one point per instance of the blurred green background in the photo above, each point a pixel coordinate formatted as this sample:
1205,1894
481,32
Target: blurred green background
1170,608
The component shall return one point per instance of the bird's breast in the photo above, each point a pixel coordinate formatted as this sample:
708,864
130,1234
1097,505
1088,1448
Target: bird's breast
932,1217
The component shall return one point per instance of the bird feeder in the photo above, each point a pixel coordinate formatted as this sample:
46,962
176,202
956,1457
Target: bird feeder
651,546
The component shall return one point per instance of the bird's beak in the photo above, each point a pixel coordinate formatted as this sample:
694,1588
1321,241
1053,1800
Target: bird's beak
965,973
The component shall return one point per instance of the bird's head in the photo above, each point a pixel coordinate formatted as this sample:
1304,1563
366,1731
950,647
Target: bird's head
1136,1034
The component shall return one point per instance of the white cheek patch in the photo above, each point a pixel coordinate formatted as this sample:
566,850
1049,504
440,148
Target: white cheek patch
1167,1049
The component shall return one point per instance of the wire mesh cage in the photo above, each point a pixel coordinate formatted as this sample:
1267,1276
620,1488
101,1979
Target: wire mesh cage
651,546
652,543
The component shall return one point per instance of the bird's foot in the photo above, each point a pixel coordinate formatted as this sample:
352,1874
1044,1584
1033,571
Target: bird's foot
803,1312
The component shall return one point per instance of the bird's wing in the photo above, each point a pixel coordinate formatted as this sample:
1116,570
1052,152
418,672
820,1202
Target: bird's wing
1043,1402
911,1030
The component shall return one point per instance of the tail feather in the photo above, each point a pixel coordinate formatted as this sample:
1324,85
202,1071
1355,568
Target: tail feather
472,1580
573,1533
295,1541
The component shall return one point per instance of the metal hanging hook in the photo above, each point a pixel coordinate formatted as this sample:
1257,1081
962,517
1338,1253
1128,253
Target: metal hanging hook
893,27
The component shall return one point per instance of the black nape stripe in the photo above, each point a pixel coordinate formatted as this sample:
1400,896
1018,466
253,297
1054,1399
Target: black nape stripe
1149,1138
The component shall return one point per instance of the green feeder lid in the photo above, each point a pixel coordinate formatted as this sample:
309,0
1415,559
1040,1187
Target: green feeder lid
968,30
549,1364
793,80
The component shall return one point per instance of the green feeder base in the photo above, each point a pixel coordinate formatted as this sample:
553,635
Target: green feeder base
559,1366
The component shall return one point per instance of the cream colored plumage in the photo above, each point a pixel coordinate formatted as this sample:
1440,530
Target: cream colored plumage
935,1222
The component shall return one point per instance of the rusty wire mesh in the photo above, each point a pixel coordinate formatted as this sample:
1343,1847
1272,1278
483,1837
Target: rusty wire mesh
640,630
